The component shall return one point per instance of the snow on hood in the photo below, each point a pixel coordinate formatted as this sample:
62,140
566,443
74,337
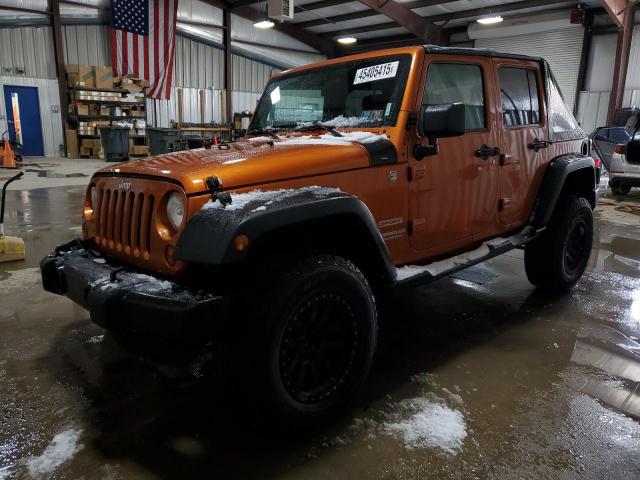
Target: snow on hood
267,197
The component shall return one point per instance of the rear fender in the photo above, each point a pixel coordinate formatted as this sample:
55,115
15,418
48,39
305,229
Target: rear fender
566,174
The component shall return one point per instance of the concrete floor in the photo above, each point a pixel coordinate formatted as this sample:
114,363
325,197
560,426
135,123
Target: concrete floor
477,376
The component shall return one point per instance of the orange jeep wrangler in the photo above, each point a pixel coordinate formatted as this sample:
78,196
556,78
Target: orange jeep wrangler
356,175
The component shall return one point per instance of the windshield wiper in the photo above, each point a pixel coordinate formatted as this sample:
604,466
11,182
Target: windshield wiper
268,131
316,125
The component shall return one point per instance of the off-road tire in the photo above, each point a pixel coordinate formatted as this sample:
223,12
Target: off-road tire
556,261
288,352
620,188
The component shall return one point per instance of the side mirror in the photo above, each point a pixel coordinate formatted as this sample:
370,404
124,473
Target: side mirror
445,120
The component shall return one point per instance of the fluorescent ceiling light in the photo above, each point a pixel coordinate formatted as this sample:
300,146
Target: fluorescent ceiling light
490,20
347,40
264,24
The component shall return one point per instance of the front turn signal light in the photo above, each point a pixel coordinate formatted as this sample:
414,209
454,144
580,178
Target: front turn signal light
241,242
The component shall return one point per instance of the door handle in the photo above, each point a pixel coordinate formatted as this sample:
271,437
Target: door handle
485,152
538,144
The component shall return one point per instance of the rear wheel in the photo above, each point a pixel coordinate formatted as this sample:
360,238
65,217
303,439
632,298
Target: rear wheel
313,340
556,261
620,188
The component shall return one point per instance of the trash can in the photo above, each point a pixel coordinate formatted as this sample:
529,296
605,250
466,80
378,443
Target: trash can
162,140
115,143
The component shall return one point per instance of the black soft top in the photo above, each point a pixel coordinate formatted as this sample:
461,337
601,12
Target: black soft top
478,52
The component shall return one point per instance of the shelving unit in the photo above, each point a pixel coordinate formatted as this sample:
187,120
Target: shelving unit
93,108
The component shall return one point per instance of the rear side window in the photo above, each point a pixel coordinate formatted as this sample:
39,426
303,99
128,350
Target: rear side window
455,83
519,92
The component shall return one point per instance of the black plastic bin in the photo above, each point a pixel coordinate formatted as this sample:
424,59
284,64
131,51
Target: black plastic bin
162,140
115,143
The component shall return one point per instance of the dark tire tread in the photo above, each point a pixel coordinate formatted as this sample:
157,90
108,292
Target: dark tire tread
544,257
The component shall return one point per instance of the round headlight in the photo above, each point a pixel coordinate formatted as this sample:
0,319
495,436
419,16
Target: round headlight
94,197
175,210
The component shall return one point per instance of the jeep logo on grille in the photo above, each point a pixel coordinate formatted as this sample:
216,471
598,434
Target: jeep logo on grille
124,186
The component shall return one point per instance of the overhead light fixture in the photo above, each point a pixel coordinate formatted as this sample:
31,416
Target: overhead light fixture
264,24
490,20
347,40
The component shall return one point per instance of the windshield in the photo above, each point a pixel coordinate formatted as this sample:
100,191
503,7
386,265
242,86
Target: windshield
362,93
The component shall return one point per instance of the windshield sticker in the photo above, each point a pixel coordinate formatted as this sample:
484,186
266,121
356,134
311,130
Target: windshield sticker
387,110
275,96
376,72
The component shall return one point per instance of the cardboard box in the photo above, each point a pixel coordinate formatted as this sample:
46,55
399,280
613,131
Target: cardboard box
103,77
105,111
82,109
94,109
81,75
139,150
71,137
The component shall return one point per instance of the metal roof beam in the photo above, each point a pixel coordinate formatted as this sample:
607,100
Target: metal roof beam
324,46
370,13
476,12
400,14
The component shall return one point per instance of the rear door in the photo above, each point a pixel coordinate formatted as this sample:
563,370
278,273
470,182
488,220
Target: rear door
453,193
522,133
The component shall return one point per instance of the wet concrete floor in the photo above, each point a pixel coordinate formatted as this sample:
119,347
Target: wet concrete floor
478,376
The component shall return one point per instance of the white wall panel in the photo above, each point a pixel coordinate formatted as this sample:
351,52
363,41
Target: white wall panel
27,49
47,97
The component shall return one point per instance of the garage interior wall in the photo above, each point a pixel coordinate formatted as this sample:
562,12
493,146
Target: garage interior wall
594,100
27,58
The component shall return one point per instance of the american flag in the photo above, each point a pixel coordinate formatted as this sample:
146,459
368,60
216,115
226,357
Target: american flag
143,41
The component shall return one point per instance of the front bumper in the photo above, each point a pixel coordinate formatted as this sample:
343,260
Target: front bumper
119,298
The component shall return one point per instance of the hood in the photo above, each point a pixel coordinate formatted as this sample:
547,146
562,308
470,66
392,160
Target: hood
258,160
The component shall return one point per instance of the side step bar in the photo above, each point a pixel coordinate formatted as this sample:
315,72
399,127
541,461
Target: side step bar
410,275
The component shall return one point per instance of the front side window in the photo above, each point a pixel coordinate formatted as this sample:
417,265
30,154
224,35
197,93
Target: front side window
519,92
457,83
363,93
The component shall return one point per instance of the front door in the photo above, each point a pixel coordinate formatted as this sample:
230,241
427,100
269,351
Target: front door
454,193
522,127
23,119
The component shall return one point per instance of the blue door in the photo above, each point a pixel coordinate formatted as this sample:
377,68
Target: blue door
23,119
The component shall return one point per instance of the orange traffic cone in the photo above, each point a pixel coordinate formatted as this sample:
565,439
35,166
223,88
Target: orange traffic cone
8,155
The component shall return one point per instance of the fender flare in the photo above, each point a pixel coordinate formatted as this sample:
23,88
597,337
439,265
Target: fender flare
554,181
209,233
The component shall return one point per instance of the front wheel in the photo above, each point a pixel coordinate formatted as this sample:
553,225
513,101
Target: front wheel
556,261
314,339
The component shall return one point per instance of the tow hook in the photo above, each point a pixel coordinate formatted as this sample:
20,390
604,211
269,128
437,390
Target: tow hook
214,184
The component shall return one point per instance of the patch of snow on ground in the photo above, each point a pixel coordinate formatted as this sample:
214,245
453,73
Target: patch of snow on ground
61,449
240,200
436,268
426,424
95,339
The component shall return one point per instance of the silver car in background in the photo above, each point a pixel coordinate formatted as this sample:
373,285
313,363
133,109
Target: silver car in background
619,153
